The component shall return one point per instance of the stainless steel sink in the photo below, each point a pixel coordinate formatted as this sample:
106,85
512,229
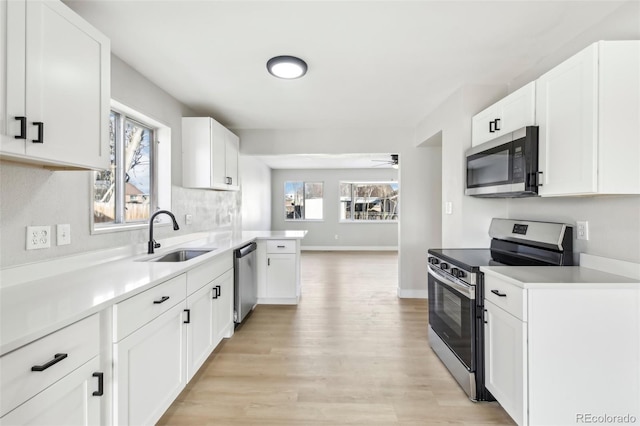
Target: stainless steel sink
181,255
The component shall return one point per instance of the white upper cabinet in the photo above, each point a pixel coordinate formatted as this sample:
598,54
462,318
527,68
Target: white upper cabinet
57,70
511,113
209,155
588,110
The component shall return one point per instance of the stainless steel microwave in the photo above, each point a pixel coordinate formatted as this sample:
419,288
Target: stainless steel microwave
506,167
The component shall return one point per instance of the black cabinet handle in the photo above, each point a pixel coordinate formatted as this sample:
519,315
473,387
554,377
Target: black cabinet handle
491,127
497,125
497,293
483,318
268,261
56,359
188,320
40,126
162,300
280,246
100,390
229,180
219,291
23,128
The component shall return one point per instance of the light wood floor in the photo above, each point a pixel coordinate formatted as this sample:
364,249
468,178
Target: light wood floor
350,353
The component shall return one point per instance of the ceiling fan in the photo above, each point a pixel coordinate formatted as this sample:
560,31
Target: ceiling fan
393,161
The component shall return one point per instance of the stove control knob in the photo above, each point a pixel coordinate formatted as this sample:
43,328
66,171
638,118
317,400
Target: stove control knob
460,274
454,271
433,260
444,265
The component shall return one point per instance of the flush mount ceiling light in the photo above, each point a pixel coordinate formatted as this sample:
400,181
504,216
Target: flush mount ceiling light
288,67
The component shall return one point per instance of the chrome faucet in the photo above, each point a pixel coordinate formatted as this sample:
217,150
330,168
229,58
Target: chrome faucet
152,243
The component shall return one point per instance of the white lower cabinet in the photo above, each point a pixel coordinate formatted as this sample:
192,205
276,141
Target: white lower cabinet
200,328
281,281
73,401
278,271
150,369
55,380
163,335
505,355
223,307
563,355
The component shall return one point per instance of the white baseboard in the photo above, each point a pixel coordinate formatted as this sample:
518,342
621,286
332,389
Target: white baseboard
278,301
412,294
349,248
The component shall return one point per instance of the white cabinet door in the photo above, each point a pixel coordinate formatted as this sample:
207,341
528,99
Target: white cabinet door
12,55
223,309
518,109
60,82
218,159
281,275
72,401
231,155
209,155
567,111
509,114
483,126
200,332
506,360
150,370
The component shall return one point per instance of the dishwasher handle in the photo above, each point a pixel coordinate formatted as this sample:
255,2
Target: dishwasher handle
244,251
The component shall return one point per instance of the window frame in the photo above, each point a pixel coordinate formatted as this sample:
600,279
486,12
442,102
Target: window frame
356,182
304,182
159,188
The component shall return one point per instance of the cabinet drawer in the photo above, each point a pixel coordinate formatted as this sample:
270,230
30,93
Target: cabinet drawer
79,342
135,312
507,296
207,272
281,246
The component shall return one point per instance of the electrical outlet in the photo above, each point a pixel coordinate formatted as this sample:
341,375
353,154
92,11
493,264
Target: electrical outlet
38,237
335,236
583,230
63,234
188,219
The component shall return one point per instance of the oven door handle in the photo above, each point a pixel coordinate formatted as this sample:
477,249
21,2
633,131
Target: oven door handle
465,290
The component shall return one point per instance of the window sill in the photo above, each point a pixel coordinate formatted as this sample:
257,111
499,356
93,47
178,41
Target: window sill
369,221
125,227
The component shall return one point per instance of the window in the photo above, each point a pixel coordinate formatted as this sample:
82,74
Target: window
303,200
125,195
368,201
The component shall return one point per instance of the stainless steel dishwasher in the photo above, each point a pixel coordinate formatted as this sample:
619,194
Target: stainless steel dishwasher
245,281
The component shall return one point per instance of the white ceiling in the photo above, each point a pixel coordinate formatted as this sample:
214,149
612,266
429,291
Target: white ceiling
371,63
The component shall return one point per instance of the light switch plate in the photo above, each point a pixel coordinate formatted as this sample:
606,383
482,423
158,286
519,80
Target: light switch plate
63,234
38,237
448,207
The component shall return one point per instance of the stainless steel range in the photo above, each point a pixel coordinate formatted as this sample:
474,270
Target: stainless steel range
456,293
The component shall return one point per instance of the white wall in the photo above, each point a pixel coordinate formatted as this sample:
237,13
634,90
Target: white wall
255,183
321,234
468,224
416,177
35,196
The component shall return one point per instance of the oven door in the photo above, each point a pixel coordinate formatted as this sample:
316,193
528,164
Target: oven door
452,313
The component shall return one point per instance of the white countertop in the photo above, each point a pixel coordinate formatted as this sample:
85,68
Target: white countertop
559,277
54,297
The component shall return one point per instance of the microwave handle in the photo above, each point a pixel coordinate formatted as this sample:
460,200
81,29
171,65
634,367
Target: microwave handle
534,179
